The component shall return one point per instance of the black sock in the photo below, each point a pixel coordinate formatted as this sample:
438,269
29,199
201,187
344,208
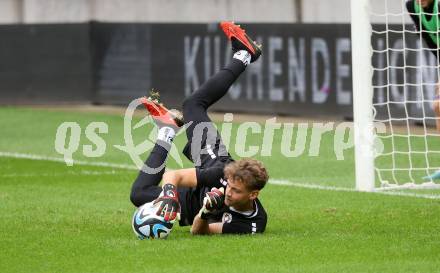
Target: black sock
145,188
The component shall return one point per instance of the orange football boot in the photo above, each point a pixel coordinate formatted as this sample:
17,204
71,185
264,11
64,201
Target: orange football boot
240,40
161,115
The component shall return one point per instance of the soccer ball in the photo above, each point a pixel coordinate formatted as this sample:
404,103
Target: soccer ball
146,224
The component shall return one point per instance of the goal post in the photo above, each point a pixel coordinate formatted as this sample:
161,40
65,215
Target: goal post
395,76
362,94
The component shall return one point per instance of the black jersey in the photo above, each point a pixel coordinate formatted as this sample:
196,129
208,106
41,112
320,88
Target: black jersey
234,222
191,200
237,222
210,173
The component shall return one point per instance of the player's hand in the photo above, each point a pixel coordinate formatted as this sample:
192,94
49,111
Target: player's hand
169,208
214,200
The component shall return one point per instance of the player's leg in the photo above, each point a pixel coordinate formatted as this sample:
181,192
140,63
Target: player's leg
216,86
200,129
245,51
146,186
196,105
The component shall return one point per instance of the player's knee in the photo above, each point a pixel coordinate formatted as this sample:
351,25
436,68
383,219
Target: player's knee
192,105
135,198
194,100
188,106
188,103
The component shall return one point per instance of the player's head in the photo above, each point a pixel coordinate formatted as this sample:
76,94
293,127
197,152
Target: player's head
425,3
246,177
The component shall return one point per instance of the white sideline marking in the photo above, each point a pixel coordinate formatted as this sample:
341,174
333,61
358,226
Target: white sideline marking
281,182
82,172
284,182
58,159
332,188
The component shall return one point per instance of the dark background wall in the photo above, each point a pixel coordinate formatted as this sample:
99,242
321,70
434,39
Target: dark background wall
45,63
305,69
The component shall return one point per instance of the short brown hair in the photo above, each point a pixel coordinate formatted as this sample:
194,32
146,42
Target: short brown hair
250,171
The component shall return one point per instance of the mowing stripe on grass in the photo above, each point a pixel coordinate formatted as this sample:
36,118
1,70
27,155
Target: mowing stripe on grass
281,182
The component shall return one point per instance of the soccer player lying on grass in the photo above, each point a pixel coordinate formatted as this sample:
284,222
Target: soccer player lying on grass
198,194
421,12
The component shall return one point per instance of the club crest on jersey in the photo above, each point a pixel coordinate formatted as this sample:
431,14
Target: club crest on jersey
227,217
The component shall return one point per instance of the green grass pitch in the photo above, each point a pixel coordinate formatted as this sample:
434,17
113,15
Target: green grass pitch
55,218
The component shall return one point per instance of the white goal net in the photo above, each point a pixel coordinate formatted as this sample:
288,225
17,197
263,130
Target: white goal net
403,84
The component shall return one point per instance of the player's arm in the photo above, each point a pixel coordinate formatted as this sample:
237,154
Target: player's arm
170,207
169,198
201,227
181,178
213,201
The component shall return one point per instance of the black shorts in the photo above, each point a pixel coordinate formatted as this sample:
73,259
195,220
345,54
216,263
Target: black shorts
209,161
